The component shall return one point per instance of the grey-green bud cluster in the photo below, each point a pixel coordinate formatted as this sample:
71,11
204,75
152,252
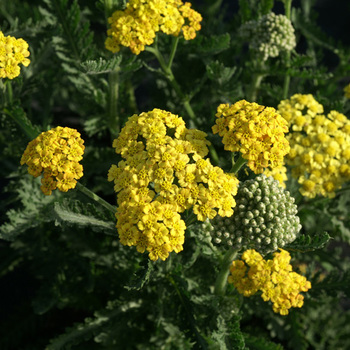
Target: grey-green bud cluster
264,218
269,35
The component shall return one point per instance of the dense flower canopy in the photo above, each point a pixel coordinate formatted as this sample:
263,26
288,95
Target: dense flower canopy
137,25
56,153
274,278
320,145
12,53
257,132
162,174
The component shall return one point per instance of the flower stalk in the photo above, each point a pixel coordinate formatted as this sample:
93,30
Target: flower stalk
221,280
236,166
287,10
166,68
113,117
95,197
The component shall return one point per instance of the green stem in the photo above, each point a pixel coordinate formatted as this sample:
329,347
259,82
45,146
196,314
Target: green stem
236,166
221,280
166,68
9,92
214,154
113,118
286,83
254,87
95,197
173,51
108,9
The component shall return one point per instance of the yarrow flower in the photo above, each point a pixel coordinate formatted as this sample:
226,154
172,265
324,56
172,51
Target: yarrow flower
265,218
137,25
320,146
162,174
269,35
12,53
55,153
257,132
274,278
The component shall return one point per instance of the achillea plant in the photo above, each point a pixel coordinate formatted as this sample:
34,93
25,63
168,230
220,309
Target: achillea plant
274,278
320,146
137,25
55,153
257,132
13,52
186,201
164,173
270,35
265,218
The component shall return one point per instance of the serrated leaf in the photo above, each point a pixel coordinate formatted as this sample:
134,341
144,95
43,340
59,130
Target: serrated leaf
36,207
92,327
259,343
74,212
306,243
213,44
101,66
216,71
141,277
333,283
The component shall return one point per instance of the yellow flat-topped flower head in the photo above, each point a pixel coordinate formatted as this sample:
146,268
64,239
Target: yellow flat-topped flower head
55,153
164,175
138,24
257,132
274,278
13,52
319,145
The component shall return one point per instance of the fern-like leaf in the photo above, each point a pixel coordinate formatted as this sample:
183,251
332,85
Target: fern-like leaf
74,212
336,281
306,243
92,327
101,66
260,343
142,276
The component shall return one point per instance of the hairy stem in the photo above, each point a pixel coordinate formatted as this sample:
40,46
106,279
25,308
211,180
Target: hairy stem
95,197
236,166
113,94
166,68
286,83
254,87
221,280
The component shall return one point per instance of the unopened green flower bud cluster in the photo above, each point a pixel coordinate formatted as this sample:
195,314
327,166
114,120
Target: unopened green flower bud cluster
269,35
264,219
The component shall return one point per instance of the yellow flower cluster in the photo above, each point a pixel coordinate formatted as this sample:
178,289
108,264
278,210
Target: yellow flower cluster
12,52
163,173
56,153
137,25
274,278
347,91
320,146
257,132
